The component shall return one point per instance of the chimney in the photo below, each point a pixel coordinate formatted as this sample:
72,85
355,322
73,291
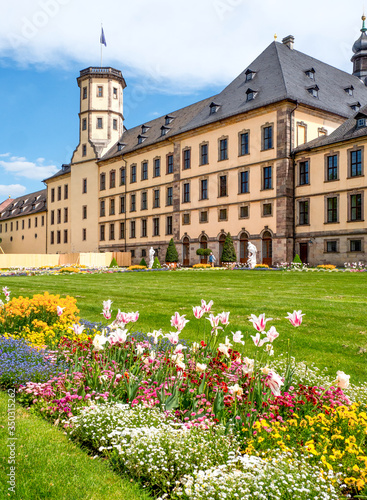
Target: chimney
289,41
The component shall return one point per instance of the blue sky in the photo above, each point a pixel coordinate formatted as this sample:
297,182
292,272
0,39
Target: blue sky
171,54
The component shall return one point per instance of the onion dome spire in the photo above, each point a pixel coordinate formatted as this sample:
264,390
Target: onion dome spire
359,58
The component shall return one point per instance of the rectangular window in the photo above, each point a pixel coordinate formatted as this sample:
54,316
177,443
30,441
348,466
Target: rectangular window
58,193
66,214
112,206
267,208
223,185
29,224
223,149
356,163
267,184
115,95
144,200
156,226
52,195
52,238
102,208
132,203
169,196
22,224
59,216
100,91
11,225
84,234
58,237
268,137
244,144
122,230
204,158
84,210
204,189
204,216
122,177
332,209
303,173
84,124
112,179
65,235
156,201
244,186
66,191
35,222
114,124
187,159
122,204
132,229
84,92
52,218
133,174
102,182
43,220
355,245
186,219
169,229
84,186
186,193
112,231
157,167
144,171
102,233
356,207
143,228
244,212
331,247
170,164
303,213
223,214
332,168
99,122
84,150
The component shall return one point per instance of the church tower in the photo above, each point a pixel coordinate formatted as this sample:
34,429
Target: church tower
101,112
359,58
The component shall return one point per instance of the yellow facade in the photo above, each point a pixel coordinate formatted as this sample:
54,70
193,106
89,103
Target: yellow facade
24,234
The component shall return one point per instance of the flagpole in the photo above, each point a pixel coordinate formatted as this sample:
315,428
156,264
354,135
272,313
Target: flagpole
101,46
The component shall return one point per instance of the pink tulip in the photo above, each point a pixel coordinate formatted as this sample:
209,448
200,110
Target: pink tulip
60,310
272,334
295,318
178,321
224,318
258,341
107,304
206,307
198,312
107,314
275,382
237,338
214,320
259,322
172,337
134,316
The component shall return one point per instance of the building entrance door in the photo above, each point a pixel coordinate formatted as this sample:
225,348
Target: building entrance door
303,252
267,249
186,252
243,248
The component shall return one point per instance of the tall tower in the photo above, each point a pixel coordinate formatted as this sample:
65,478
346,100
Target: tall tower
359,59
101,112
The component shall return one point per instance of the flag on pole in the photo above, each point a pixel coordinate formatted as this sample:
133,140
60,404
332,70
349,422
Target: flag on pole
103,39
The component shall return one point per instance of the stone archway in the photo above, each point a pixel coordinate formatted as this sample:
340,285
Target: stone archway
267,249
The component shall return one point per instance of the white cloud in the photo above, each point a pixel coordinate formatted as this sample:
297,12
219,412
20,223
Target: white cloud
4,155
12,190
174,45
18,166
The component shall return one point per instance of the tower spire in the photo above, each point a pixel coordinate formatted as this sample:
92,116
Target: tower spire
364,29
359,58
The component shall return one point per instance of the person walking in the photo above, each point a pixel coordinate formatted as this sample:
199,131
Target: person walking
211,259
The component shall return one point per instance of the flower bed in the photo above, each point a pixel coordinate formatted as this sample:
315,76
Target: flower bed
197,420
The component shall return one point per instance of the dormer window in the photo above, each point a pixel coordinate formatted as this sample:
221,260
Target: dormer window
214,108
355,106
168,119
141,139
164,130
120,146
144,129
361,122
251,94
310,73
349,90
250,75
314,91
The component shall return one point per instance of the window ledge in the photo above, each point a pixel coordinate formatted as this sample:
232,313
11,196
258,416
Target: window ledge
333,222
356,220
268,149
355,176
332,180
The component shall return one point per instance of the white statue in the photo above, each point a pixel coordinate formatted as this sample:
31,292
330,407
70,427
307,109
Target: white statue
251,250
151,257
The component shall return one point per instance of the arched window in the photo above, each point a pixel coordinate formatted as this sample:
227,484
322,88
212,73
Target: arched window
243,247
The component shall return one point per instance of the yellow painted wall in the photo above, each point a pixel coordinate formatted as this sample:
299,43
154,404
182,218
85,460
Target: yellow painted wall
31,239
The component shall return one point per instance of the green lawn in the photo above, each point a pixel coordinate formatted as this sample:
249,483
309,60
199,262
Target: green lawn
333,334
50,467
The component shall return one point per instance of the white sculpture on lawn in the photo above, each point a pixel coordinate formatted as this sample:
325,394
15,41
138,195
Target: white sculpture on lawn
251,250
151,257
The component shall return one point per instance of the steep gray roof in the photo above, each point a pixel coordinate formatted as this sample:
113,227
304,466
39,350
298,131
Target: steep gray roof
347,130
279,73
25,205
65,169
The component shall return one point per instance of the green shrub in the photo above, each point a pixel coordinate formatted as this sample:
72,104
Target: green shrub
203,251
113,263
143,263
297,259
156,264
229,253
171,254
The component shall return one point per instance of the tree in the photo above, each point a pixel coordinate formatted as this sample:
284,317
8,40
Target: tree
143,263
297,259
114,263
229,253
156,264
171,254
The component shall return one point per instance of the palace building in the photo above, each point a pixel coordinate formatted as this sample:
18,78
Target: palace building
276,158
